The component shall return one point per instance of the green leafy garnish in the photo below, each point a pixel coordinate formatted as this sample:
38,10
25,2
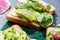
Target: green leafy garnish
47,20
20,6
48,7
34,5
31,4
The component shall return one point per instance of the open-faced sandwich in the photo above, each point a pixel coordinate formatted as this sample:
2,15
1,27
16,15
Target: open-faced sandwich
32,14
13,33
53,33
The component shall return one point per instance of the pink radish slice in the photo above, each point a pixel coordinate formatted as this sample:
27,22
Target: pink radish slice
43,4
58,37
4,5
54,35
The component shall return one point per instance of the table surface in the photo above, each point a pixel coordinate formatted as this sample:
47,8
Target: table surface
55,3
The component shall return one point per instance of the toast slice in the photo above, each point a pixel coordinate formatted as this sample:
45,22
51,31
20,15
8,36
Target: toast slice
12,16
17,27
49,30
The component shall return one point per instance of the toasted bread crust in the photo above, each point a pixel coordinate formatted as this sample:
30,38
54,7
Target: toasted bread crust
49,29
21,21
17,27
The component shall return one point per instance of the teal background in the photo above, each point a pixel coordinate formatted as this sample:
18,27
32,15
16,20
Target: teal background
36,34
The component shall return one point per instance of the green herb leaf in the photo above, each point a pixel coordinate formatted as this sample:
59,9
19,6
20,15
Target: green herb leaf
48,7
20,6
34,5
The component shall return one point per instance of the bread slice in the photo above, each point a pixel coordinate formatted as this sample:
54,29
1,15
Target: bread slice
12,16
49,30
17,27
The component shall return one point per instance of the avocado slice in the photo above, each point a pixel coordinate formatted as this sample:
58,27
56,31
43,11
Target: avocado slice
28,14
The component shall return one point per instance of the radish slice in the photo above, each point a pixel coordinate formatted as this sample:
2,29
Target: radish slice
43,4
54,35
4,5
58,37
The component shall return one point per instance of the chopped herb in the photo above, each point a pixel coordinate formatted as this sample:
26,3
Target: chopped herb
48,7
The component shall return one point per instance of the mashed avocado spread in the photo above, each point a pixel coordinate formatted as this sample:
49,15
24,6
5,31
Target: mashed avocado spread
12,34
